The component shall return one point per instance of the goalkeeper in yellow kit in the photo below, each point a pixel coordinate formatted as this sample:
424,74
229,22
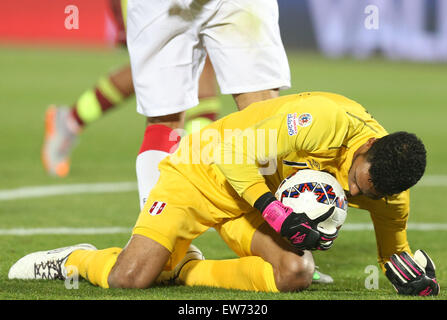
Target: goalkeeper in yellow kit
224,177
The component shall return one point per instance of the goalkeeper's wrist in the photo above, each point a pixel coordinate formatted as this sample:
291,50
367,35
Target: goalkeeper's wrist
273,211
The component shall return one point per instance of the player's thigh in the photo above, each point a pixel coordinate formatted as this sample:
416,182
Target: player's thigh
244,44
166,56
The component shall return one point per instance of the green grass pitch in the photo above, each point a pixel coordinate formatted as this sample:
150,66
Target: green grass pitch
402,96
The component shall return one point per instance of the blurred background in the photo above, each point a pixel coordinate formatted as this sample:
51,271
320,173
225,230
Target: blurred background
399,29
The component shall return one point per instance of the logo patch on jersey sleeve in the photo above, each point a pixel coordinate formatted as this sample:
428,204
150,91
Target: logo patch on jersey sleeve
304,120
291,124
157,208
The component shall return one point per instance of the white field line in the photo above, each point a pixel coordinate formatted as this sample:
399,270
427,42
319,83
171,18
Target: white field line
413,226
66,189
432,181
63,231
116,187
124,230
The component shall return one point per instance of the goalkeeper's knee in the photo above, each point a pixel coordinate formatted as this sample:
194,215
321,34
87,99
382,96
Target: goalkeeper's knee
294,272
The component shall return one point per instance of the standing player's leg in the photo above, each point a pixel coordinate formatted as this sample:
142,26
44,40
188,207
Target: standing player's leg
167,64
107,94
64,124
161,135
160,139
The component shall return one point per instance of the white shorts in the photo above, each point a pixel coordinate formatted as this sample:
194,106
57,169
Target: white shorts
167,40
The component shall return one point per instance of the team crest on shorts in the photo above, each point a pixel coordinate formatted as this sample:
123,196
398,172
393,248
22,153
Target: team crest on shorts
304,120
157,208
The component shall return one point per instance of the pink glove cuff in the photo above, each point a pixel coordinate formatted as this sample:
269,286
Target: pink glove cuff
275,214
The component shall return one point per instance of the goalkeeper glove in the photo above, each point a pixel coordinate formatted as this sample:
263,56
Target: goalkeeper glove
298,228
412,275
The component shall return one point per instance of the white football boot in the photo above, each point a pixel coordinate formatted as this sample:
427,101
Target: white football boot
172,277
45,264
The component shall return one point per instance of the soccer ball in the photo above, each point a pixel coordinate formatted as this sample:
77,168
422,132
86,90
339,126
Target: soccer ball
314,192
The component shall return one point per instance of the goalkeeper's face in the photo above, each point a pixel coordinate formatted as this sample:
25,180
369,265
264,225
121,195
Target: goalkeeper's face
359,178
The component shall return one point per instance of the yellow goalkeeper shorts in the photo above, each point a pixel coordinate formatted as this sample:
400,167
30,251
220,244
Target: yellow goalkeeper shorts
176,212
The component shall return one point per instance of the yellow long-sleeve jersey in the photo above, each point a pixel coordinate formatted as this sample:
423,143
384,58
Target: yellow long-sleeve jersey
248,153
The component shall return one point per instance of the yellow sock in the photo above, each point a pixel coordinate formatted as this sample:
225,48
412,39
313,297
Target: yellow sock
247,273
94,265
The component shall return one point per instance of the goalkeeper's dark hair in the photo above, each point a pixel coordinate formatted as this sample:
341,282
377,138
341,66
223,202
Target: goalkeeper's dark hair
398,161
